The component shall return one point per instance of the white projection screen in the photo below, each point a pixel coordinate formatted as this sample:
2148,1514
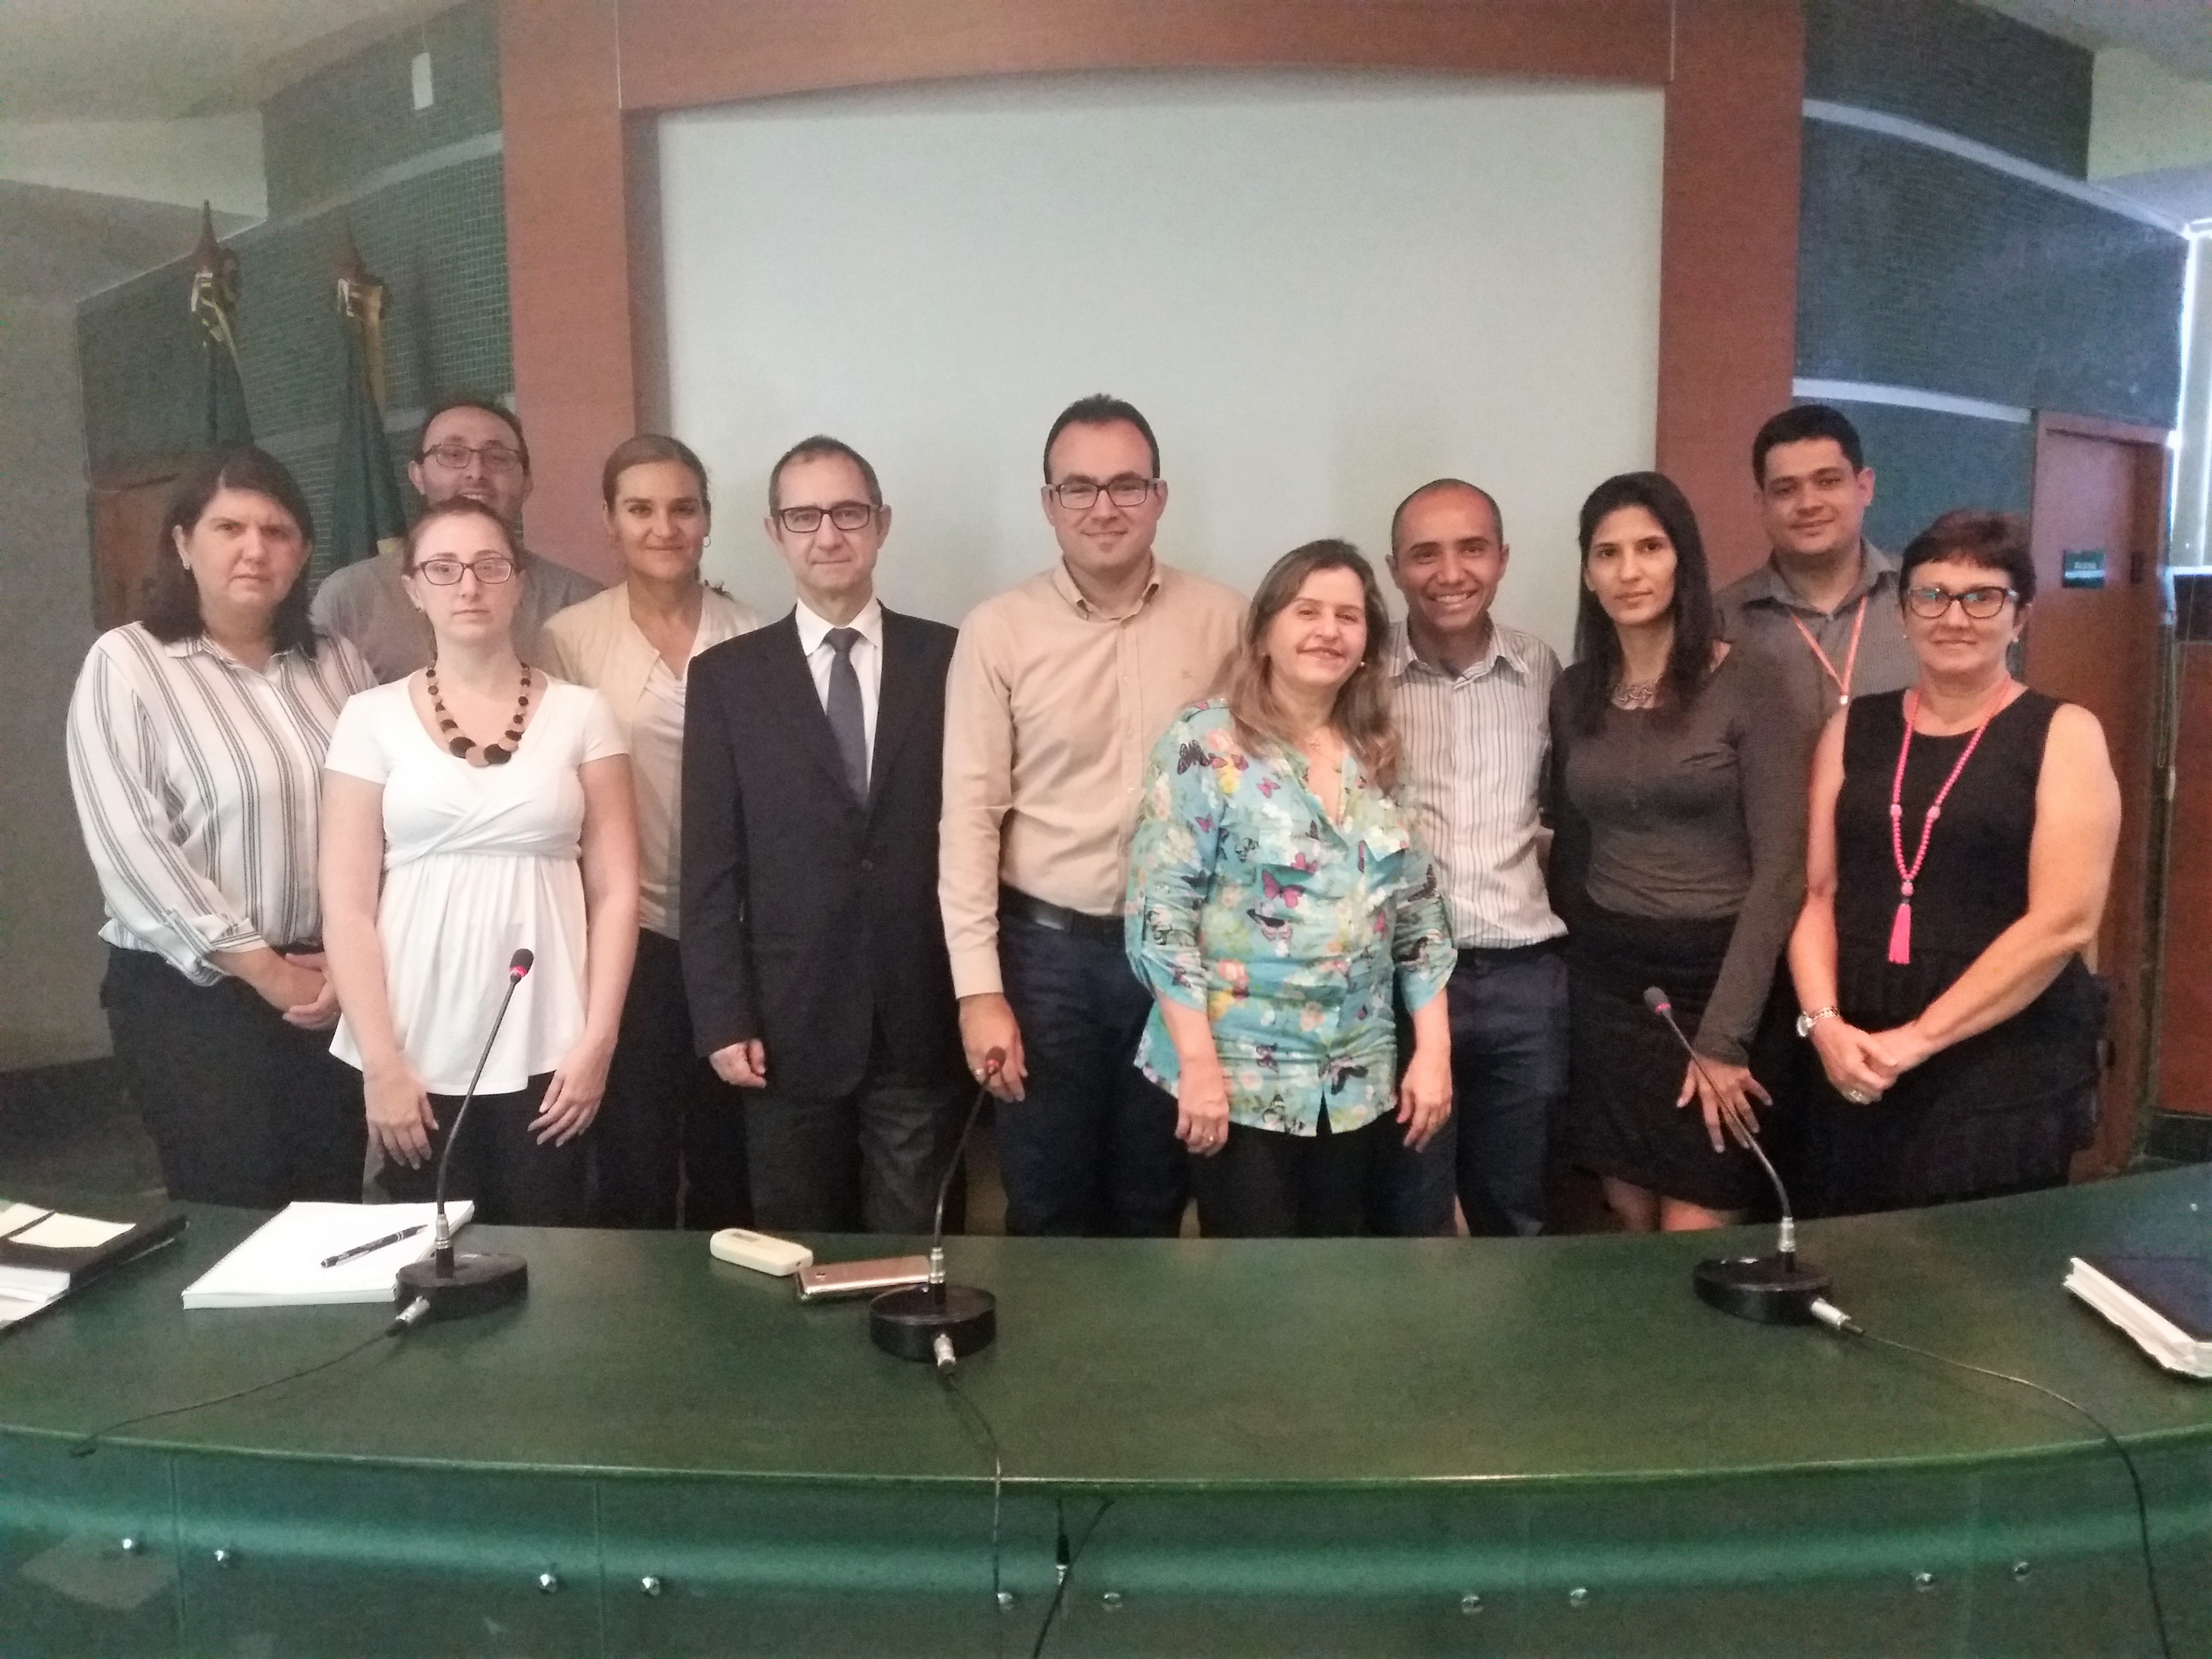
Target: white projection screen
1322,290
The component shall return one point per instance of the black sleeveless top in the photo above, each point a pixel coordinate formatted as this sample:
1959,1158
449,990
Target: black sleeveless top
1972,886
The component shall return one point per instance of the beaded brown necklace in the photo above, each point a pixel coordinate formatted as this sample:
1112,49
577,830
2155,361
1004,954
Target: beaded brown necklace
459,742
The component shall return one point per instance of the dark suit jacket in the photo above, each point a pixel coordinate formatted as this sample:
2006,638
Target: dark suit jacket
809,917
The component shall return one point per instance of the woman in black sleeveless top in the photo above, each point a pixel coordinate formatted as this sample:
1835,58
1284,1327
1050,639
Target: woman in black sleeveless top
1955,875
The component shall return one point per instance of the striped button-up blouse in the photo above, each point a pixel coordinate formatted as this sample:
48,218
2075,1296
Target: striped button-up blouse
1289,928
198,785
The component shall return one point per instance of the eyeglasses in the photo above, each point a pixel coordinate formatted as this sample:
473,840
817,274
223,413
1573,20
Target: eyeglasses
1078,493
845,515
444,573
1980,603
454,456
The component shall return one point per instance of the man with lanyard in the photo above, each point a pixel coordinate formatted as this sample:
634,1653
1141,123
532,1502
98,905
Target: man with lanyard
1823,607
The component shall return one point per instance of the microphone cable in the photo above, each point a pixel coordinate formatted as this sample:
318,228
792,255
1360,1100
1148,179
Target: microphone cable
90,1443
1848,1327
963,1405
1064,1560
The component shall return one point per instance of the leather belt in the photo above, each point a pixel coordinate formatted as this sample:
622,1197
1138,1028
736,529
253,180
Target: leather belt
1057,917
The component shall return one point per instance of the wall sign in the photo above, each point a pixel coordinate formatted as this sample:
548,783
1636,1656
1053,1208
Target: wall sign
2083,569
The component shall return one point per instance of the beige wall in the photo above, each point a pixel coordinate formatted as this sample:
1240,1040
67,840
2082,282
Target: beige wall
50,961
2144,118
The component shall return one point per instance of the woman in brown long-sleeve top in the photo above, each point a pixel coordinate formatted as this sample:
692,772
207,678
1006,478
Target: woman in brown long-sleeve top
1680,863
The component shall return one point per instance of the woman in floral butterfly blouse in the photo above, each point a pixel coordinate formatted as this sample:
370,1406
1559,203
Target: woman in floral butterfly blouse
1274,896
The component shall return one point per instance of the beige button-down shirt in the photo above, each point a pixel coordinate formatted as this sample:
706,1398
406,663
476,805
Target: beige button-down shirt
1051,711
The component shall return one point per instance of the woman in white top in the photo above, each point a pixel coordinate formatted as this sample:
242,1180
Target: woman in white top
668,1122
196,741
470,811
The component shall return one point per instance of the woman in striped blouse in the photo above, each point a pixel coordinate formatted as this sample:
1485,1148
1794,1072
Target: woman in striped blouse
196,741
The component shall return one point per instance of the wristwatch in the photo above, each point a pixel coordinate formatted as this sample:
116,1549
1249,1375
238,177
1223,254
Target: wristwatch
1806,1021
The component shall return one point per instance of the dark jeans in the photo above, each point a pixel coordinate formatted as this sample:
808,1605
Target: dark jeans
515,1181
669,1138
869,1161
242,1108
1509,1037
1265,1183
1091,1147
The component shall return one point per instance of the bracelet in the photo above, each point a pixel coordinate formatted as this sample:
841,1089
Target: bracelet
1806,1021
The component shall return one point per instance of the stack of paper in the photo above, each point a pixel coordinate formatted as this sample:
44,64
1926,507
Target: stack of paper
282,1264
2163,1301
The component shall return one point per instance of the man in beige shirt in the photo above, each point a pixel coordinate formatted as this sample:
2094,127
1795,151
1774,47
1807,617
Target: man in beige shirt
1059,689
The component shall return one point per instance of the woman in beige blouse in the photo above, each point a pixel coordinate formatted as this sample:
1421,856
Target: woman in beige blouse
670,1141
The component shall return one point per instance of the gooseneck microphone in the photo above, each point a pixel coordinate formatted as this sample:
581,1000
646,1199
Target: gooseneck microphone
1774,1290
447,1286
937,1321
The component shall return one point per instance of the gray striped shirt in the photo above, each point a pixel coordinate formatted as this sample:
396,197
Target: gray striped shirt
1476,746
199,788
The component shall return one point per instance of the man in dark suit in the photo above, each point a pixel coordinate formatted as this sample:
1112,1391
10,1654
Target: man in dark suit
813,950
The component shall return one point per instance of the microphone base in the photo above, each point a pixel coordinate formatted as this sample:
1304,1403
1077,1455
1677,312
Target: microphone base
907,1321
478,1284
1762,1288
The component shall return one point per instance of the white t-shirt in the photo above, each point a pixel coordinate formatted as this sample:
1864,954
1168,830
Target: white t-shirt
478,861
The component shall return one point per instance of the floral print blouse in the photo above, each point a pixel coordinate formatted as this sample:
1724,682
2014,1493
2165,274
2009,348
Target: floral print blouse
1247,900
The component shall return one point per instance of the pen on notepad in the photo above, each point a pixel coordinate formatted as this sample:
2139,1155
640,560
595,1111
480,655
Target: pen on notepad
373,1244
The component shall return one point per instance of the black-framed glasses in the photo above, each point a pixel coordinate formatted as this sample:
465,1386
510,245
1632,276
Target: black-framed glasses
1078,495
1980,603
444,573
845,515
454,456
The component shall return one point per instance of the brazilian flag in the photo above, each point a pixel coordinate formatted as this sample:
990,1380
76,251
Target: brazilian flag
214,297
367,513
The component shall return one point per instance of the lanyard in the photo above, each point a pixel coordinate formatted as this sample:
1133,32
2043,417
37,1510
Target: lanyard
1901,930
1850,661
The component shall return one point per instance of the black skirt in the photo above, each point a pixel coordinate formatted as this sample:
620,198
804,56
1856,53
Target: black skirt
1624,1067
2004,1111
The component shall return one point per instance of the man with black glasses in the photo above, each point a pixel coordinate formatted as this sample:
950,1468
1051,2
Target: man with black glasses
1058,691
813,955
468,448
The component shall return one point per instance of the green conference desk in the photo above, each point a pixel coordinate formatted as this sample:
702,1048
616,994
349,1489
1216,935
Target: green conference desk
1359,1447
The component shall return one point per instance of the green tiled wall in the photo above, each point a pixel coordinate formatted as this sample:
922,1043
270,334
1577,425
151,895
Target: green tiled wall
358,118
421,193
1958,66
1921,268
1926,463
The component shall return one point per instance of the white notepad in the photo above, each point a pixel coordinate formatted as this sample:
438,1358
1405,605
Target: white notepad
280,1265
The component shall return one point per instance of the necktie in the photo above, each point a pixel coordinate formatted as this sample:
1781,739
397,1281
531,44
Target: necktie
846,722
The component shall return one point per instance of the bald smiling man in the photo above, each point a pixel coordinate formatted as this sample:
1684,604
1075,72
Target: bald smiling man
1471,700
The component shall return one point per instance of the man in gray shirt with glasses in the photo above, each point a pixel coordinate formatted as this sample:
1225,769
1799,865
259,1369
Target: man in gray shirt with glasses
470,448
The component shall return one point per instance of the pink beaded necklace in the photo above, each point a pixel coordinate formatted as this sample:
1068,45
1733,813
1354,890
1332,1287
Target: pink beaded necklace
1900,931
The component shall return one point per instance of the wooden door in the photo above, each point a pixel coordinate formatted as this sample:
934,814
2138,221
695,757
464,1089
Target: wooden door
2093,638
126,532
